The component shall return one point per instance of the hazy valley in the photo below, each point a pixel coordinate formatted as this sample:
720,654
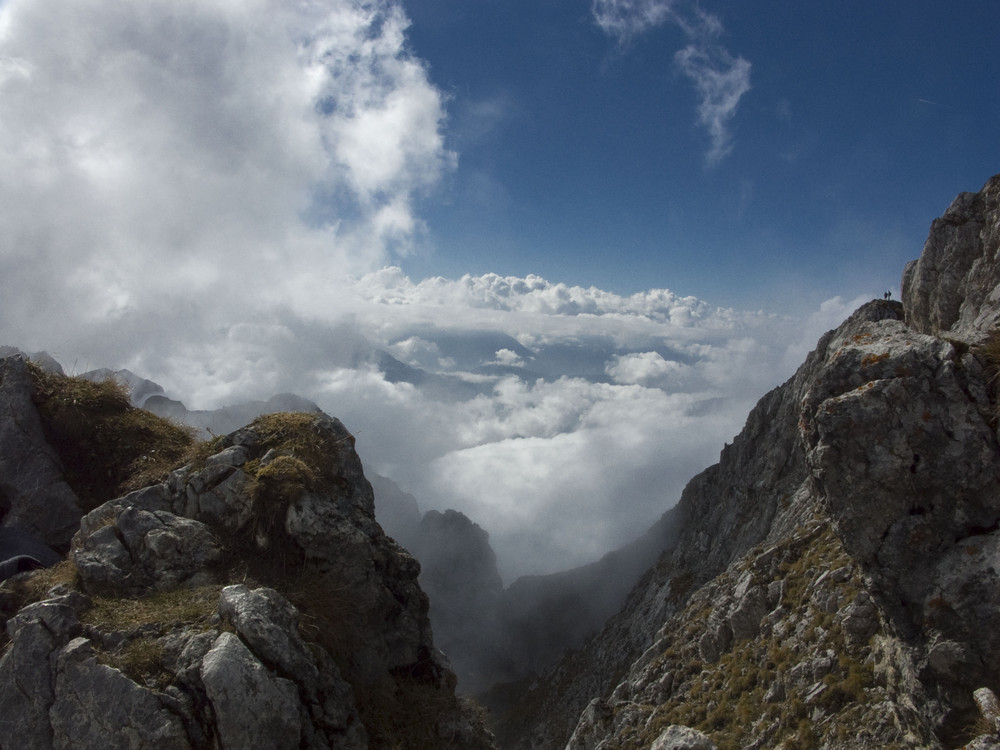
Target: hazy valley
830,582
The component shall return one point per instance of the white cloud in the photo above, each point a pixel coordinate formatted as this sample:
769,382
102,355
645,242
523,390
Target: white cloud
415,351
248,153
591,468
508,358
533,294
558,469
626,19
647,368
719,79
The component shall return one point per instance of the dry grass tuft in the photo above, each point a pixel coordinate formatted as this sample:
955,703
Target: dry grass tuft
108,447
989,350
35,587
163,609
141,660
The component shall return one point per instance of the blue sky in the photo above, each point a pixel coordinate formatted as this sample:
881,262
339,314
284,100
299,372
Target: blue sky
580,157
540,257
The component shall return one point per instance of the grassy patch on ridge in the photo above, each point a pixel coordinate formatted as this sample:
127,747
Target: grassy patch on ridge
108,447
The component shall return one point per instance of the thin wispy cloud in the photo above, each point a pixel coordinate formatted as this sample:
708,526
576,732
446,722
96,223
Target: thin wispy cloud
627,19
719,78
935,104
721,81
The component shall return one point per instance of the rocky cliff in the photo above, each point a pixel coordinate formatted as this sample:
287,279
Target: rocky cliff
494,634
835,580
247,600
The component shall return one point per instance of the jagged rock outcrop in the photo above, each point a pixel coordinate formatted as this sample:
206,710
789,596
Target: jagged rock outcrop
492,634
248,601
459,574
35,500
458,570
954,287
836,577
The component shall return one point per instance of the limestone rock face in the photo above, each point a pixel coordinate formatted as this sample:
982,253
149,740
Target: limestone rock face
97,706
26,685
34,496
255,709
144,550
266,621
249,601
955,284
459,574
834,578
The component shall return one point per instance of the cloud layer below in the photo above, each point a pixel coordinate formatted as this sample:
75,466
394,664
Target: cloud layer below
207,193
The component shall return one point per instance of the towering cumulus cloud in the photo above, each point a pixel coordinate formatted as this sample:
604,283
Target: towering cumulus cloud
240,150
720,79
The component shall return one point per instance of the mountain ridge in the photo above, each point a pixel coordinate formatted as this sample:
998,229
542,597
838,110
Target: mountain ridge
247,599
831,582
886,438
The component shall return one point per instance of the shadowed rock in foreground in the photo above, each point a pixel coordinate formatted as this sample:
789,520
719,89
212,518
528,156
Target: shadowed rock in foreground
248,601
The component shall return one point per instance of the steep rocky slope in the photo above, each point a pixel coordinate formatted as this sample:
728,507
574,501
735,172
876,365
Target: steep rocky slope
835,579
250,600
495,634
490,633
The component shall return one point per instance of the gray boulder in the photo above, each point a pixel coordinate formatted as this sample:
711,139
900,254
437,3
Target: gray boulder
269,624
145,550
682,738
254,709
97,706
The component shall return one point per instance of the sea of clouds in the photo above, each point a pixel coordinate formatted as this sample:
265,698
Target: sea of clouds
217,196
